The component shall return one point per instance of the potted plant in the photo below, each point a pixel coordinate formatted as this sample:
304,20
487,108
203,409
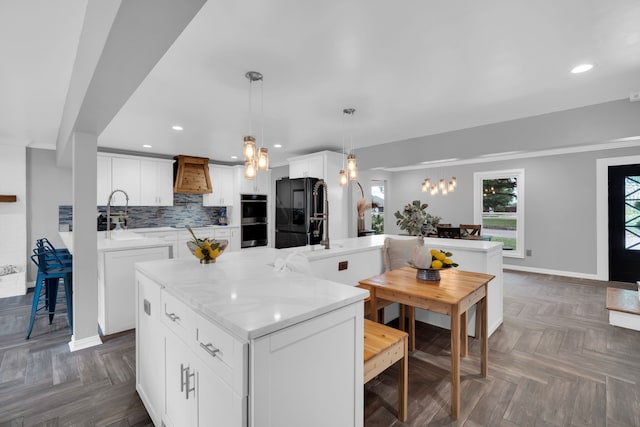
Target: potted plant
415,220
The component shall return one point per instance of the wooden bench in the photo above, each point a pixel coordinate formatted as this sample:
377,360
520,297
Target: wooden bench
624,308
384,346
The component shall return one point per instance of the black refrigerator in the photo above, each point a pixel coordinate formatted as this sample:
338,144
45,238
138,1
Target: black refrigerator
294,207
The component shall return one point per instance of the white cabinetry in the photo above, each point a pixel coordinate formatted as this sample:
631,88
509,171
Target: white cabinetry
147,181
224,188
104,180
125,175
156,182
326,165
116,286
149,343
205,370
260,185
232,234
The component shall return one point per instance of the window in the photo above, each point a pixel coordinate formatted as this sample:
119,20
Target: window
499,207
377,206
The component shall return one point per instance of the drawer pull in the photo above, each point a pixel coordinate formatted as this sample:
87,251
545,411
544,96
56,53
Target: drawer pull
172,316
209,348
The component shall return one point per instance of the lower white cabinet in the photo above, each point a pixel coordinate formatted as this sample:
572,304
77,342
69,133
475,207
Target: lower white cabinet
117,286
308,373
149,344
232,234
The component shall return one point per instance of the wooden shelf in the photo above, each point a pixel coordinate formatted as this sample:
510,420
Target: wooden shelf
7,198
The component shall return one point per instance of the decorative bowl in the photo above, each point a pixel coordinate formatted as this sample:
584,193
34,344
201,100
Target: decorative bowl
205,255
426,274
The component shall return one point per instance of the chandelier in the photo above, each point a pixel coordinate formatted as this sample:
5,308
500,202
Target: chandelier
439,187
255,159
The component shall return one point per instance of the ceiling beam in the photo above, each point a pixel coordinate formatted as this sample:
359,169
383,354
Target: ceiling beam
120,43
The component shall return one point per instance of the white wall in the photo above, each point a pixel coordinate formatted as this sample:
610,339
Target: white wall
560,211
48,187
13,219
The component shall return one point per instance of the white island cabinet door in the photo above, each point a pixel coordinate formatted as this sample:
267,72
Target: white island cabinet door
149,344
180,384
298,378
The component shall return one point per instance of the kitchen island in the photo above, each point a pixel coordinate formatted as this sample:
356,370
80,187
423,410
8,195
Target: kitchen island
351,260
116,274
238,343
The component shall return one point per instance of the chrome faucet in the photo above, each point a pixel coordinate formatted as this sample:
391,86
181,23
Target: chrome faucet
126,207
322,217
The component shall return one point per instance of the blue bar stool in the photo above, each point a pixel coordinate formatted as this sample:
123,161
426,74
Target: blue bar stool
51,268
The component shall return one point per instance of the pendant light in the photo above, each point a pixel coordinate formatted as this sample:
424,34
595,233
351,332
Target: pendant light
440,186
352,165
255,159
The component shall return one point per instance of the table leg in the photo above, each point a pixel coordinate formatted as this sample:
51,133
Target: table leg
455,362
484,332
374,305
403,382
464,335
412,327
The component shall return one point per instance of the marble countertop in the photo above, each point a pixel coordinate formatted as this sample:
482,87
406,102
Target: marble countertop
121,240
244,293
359,244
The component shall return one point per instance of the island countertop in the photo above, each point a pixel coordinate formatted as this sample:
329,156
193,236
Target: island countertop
121,240
245,294
358,244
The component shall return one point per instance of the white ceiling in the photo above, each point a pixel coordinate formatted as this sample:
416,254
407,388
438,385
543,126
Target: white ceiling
409,68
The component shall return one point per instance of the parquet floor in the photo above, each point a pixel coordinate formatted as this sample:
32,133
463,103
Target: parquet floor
554,362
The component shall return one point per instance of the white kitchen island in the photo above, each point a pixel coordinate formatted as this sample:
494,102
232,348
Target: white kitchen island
237,343
116,274
351,260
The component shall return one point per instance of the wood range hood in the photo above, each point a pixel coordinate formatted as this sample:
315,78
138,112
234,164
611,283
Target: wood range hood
191,175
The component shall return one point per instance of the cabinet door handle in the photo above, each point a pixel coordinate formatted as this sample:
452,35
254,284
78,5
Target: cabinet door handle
172,316
182,381
209,348
190,387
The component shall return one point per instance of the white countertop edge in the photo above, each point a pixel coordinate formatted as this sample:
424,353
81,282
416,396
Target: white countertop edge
105,245
168,228
365,243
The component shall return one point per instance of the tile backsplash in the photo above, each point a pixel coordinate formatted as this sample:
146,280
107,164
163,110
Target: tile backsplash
187,209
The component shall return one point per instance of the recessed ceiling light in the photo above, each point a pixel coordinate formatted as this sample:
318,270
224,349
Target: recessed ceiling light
146,146
234,157
277,145
176,127
581,68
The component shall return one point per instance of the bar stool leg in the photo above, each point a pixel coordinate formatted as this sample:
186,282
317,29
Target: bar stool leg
34,304
68,291
52,288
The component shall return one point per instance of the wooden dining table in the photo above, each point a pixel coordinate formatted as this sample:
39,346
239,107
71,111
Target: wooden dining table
452,295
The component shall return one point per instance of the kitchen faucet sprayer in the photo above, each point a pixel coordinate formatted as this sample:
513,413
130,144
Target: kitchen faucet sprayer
126,208
323,216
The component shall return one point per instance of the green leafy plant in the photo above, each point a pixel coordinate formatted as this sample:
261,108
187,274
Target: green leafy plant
415,220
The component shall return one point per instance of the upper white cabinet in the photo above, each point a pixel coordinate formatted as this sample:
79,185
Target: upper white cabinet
147,181
156,182
311,166
224,188
104,180
125,175
260,185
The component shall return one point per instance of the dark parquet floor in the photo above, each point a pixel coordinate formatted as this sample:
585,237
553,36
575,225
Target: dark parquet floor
554,362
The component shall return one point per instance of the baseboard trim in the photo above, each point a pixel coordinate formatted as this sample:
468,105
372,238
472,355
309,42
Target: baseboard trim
552,272
75,345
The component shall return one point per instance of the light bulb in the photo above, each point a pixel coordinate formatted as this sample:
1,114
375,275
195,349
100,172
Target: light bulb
351,162
454,181
249,148
343,178
441,184
353,174
263,159
250,170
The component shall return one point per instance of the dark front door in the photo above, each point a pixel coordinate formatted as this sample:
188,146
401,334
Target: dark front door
624,223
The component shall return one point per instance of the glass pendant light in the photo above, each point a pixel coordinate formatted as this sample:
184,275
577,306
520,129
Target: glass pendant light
251,155
343,178
263,159
352,164
249,148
